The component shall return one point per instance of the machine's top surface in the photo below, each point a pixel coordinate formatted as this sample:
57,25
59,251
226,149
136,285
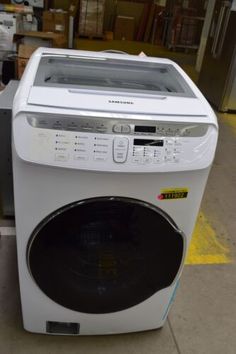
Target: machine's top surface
77,82
111,74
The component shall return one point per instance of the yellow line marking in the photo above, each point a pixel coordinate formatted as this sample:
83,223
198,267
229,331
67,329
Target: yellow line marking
205,246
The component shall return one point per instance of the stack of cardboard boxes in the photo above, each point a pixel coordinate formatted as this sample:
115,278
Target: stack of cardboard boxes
24,53
91,18
55,34
56,21
28,42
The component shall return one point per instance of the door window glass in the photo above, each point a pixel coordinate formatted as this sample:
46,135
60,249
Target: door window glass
104,255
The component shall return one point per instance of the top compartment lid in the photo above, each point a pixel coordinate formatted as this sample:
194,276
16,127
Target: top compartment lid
110,75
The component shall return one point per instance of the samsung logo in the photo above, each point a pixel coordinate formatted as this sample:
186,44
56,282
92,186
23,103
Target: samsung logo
121,102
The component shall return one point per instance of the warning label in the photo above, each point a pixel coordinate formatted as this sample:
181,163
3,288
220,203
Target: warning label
173,193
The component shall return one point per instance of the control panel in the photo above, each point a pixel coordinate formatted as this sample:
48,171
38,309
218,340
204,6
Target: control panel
114,126
98,148
110,145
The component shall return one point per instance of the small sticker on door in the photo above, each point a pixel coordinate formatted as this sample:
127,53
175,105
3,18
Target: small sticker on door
173,193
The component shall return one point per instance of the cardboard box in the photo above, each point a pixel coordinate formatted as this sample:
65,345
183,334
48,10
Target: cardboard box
21,64
48,21
54,21
131,9
41,39
24,53
61,22
28,42
124,28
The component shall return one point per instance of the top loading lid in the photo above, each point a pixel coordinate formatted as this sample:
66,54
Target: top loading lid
107,84
111,75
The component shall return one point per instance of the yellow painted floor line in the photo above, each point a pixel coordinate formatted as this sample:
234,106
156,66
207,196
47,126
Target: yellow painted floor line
205,247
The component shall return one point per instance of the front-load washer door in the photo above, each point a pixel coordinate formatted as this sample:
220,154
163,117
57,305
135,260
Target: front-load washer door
103,255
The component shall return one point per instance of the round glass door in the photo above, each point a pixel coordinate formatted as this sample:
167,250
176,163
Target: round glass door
103,255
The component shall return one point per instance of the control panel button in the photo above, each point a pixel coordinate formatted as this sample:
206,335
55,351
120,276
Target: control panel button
121,143
87,127
186,132
72,126
177,150
78,157
62,135
117,128
162,131
100,158
157,160
169,132
169,152
147,160
42,135
125,129
61,148
148,151
176,159
57,125
157,153
138,150
120,149
42,123
62,142
169,158
101,129
177,132
61,157
177,142
137,160
169,142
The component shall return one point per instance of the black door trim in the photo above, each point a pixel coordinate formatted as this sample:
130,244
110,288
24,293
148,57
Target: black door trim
136,202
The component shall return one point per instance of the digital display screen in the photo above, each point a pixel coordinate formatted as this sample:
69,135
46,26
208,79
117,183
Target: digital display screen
144,129
148,142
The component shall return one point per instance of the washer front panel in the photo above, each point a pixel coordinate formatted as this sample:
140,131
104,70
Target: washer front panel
104,255
93,144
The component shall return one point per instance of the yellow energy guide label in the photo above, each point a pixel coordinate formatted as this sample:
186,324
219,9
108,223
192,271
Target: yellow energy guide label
173,193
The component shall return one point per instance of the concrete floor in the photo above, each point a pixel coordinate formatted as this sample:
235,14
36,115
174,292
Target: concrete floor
203,317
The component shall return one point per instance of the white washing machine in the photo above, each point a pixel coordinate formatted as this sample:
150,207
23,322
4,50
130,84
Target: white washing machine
111,155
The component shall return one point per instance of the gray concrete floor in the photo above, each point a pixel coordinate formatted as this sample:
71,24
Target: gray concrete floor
203,317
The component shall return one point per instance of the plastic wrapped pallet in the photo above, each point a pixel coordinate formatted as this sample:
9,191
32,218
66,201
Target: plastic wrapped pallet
91,18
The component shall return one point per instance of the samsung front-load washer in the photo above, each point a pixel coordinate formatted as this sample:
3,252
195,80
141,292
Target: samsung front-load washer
111,155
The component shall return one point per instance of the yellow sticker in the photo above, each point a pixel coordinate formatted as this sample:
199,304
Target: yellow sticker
173,193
